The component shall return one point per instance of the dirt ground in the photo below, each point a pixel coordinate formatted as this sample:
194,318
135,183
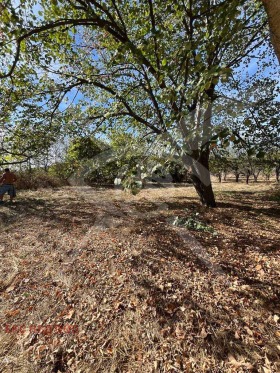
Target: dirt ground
104,281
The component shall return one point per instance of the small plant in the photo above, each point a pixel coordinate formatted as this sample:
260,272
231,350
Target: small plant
132,185
192,222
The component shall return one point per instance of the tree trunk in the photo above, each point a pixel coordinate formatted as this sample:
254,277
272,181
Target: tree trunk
198,162
272,8
201,180
237,177
205,192
220,177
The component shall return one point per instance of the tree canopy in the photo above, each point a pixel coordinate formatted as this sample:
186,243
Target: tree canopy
160,67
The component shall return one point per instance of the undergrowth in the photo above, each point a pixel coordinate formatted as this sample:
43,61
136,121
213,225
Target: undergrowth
192,222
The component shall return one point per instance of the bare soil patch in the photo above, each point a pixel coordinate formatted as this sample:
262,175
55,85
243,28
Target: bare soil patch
101,281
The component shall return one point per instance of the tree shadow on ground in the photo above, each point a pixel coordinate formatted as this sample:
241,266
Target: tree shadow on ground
208,325
249,280
215,326
235,216
269,211
183,202
11,212
67,214
209,330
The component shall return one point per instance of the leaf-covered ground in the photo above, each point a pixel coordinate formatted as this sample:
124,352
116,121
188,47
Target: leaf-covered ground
102,281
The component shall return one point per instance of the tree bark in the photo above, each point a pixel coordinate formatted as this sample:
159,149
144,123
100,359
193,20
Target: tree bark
201,180
198,161
205,192
272,8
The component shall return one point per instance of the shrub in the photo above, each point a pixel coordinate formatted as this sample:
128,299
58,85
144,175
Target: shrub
63,170
104,174
35,179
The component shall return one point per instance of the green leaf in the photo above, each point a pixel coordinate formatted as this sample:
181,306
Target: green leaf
251,151
260,154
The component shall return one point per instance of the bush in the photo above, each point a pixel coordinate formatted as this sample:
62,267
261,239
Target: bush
35,179
104,174
62,170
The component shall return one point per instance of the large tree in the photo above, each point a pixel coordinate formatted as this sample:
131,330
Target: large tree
156,65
